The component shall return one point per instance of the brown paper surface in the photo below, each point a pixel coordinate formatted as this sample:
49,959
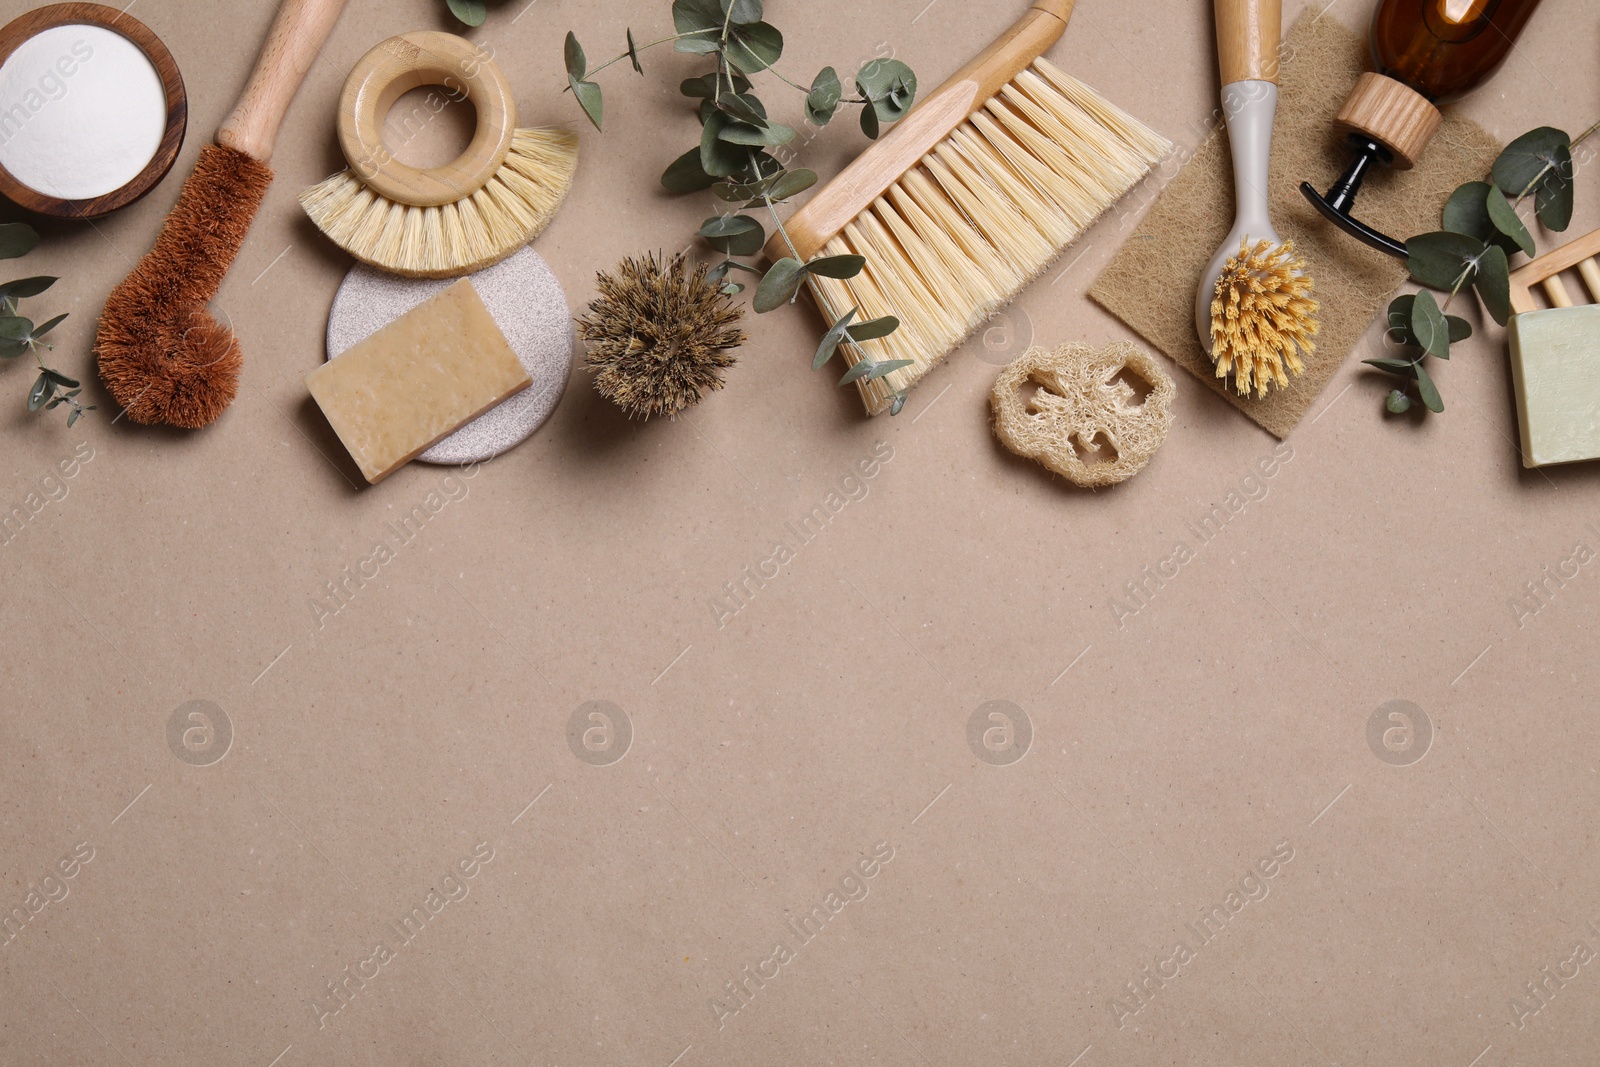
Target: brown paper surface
801,617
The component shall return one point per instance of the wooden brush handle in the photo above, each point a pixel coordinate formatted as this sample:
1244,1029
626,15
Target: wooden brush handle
296,38
1249,35
930,122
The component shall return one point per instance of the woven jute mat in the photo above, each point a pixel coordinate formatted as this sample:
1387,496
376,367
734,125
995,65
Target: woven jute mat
1151,282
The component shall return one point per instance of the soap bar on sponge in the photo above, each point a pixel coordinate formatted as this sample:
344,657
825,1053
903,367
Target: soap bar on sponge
1555,368
419,378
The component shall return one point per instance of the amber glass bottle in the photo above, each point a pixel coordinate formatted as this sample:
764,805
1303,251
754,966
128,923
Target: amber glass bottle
1427,53
1445,48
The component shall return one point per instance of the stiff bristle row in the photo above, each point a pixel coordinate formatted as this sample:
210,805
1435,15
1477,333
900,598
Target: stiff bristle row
981,216
1262,316
470,234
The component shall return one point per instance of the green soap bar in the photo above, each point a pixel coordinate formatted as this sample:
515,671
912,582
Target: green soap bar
1555,366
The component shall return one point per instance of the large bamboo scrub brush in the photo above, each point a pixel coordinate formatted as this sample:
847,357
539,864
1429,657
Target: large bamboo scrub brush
1253,309
450,220
971,196
162,355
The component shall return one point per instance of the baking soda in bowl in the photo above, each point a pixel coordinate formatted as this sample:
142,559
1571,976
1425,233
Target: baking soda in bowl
82,112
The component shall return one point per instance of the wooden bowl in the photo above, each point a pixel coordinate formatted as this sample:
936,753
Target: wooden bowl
24,27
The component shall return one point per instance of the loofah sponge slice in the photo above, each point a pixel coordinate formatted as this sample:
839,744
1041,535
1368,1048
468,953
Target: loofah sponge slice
1070,410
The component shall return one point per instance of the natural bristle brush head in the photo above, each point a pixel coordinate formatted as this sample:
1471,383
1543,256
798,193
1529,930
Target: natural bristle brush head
1262,316
1252,309
161,354
968,199
451,220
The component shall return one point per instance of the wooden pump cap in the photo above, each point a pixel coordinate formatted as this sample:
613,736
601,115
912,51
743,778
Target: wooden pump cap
1394,115
410,61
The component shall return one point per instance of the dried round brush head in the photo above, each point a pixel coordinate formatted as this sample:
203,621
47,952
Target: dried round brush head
659,335
1262,316
161,354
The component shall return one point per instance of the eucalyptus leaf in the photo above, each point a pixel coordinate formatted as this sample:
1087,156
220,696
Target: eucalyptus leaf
869,122
17,239
1553,200
769,136
823,99
25,287
1429,391
590,99
686,175
890,85
860,370
1494,284
780,285
1467,211
1505,220
77,413
577,62
754,47
16,328
743,107
886,367
792,183
732,289
837,266
1399,319
740,191
742,12
873,329
697,16
718,157
1533,156
1398,403
40,331
896,406
60,379
710,86
12,349
43,389
471,12
1440,260
1460,328
832,339
1428,325
633,52
1404,368
734,235
871,370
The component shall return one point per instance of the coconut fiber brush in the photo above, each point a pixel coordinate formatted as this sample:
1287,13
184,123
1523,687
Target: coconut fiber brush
162,355
969,198
450,220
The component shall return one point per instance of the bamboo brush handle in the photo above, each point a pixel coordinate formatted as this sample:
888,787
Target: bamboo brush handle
930,122
297,36
1249,34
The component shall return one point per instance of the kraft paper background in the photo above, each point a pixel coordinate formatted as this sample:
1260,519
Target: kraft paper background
398,833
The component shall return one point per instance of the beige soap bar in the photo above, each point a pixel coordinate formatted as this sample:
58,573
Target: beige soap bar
421,377
1555,368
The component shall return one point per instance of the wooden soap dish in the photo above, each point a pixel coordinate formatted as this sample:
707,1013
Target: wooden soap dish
1546,271
26,26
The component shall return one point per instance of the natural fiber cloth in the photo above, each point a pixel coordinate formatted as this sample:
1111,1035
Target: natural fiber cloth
1150,284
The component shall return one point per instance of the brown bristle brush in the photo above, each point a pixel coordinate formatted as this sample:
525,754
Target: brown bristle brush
969,199
162,355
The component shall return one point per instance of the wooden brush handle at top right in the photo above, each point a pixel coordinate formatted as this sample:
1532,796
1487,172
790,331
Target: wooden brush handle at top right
1249,38
931,121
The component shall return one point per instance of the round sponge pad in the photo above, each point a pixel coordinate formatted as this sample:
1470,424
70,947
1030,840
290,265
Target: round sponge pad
525,301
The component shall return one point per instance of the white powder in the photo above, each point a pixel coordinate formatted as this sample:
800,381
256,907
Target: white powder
82,111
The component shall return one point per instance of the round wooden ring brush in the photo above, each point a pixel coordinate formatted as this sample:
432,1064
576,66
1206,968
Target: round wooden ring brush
161,354
449,220
1252,309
